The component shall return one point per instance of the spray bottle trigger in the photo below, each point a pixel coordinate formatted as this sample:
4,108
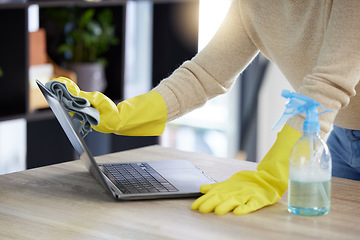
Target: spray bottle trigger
283,119
289,110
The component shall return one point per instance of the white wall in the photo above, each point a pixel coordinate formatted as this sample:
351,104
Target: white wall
138,50
12,146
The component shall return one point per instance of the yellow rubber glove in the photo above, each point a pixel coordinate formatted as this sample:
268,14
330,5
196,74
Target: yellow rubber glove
247,191
143,115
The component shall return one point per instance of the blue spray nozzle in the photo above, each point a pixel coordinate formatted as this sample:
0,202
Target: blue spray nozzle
286,93
298,104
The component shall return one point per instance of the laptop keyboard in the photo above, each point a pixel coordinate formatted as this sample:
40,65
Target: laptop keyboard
137,178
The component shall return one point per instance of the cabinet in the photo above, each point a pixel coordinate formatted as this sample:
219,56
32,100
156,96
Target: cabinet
46,143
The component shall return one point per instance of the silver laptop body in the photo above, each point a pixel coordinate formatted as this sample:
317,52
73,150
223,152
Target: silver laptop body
183,178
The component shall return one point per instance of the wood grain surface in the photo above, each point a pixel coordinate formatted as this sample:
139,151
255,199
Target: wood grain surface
63,201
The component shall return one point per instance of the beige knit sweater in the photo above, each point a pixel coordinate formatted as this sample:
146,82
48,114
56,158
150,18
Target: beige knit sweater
315,43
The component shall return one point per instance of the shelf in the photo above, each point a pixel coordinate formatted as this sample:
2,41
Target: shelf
58,3
42,114
80,3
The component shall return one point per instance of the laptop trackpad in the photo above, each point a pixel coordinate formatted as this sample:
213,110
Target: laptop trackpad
182,174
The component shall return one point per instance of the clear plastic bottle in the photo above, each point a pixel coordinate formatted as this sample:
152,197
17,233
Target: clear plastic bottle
310,160
309,176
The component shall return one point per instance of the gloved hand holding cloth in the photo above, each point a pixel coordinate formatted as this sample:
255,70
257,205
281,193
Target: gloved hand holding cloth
247,191
83,114
143,115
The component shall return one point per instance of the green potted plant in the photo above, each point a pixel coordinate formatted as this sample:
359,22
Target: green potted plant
88,36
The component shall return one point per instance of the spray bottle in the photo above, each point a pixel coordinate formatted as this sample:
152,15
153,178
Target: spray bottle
310,161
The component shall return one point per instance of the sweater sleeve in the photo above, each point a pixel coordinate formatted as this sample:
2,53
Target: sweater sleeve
212,71
333,80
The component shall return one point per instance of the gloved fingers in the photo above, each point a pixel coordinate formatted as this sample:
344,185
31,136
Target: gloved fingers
209,204
207,187
251,206
229,205
71,86
206,203
197,203
97,99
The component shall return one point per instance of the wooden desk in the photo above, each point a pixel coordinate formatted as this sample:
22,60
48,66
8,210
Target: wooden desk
64,202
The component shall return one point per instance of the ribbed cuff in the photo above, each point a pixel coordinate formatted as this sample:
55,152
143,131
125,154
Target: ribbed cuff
171,101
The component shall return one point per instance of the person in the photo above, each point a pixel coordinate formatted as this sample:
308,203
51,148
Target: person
316,45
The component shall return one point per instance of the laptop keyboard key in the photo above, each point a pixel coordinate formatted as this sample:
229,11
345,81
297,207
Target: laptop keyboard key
137,178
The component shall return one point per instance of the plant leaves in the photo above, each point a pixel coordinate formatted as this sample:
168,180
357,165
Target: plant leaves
86,17
105,17
89,34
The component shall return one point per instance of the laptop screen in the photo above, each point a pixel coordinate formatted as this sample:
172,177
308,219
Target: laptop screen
76,140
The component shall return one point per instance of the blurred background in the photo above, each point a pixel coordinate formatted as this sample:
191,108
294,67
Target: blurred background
152,39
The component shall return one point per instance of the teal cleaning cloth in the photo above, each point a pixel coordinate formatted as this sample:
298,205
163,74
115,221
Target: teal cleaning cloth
84,115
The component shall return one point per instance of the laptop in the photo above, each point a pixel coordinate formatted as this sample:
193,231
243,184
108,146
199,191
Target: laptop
132,180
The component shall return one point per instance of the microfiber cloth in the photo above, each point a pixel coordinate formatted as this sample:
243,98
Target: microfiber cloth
83,114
